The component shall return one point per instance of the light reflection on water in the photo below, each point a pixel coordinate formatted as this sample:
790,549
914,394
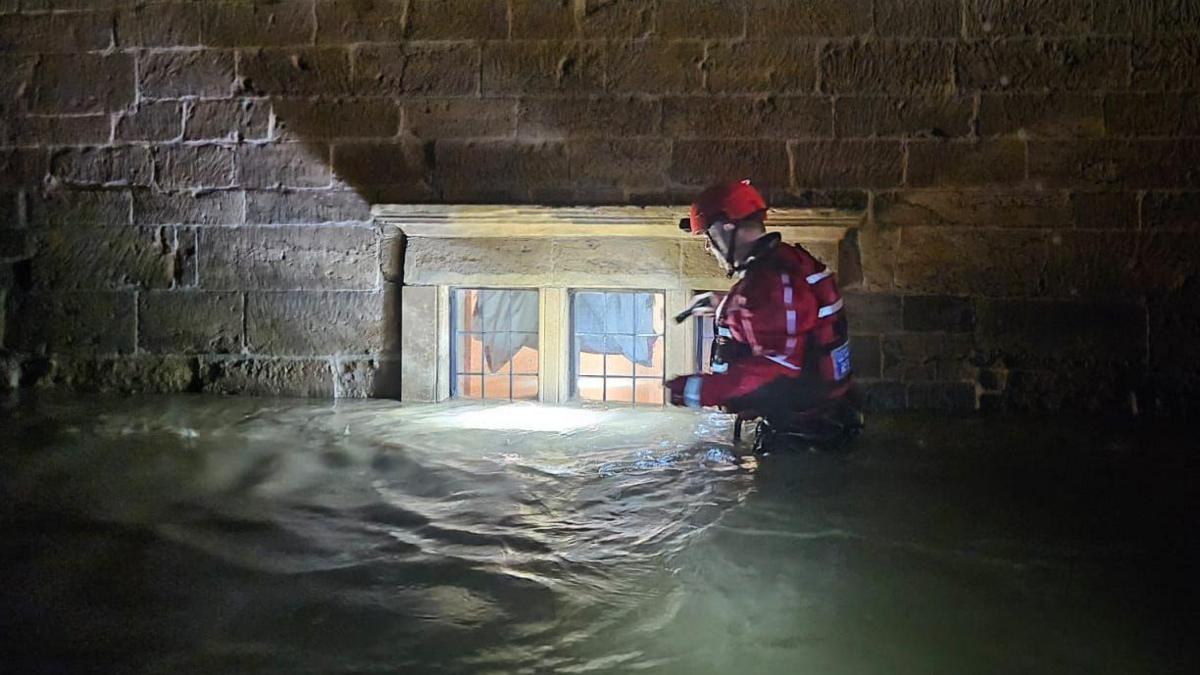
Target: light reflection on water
233,535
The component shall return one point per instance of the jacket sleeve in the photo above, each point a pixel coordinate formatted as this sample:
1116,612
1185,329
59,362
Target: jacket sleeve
719,389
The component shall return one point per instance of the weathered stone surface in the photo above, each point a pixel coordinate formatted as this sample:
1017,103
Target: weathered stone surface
193,166
620,163
924,116
126,165
365,378
316,257
46,33
1036,333
436,261
919,18
542,66
1105,210
698,263
245,119
302,323
1171,211
125,375
434,118
877,246
300,71
151,122
76,208
846,163
81,83
1068,388
884,396
1091,263
874,313
258,24
701,18
1044,115
1174,366
747,117
438,20
308,119
947,261
1164,114
609,117
55,130
326,206
700,162
866,356
499,170
761,66
74,258
819,18
350,21
593,256
962,163
390,163
309,378
989,18
13,244
430,69
93,322
1115,164
1166,64
943,396
205,73
610,19
887,67
951,314
283,165
189,322
20,167
924,357
216,207
1166,261
645,67
419,369
974,208
541,19
158,25
1037,65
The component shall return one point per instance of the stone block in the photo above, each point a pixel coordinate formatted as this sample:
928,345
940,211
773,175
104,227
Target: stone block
303,323
306,378
698,263
964,163
847,163
319,71
1171,211
534,67
284,165
610,117
190,322
257,24
342,22
1174,365
172,74
887,67
945,261
993,18
1105,210
884,396
1056,115
74,258
75,208
934,116
541,19
1076,389
13,244
1090,263
10,210
482,171
912,357
365,378
419,369
1166,261
1115,164
654,67
151,122
866,356
158,25
53,32
216,207
91,322
614,19
317,257
1166,63
81,83
193,166
124,375
245,119
877,247
919,18
634,257
125,165
56,130
815,18
312,119
874,313
701,19
324,206
430,261
382,163
747,117
1039,65
955,397
434,118
474,20
947,313
428,69
974,208
22,166
1158,114
1060,334
699,162
762,66
621,163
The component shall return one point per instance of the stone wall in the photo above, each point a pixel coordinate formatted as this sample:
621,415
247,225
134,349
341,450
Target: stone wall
185,186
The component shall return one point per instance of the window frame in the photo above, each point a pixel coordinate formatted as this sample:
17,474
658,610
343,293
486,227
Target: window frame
454,333
572,335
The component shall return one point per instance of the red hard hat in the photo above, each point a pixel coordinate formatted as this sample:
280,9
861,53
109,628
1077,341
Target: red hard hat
736,200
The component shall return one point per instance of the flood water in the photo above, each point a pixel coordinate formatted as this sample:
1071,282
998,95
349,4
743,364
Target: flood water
205,535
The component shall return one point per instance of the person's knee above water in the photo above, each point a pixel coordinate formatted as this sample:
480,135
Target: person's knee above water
782,344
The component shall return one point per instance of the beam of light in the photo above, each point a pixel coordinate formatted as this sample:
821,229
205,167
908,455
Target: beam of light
527,417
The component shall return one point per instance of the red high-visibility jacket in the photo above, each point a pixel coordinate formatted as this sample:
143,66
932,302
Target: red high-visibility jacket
786,313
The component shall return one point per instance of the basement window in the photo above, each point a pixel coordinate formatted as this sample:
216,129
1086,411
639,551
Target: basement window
494,348
618,346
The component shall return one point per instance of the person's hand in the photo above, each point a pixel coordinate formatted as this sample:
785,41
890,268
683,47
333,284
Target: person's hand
703,304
